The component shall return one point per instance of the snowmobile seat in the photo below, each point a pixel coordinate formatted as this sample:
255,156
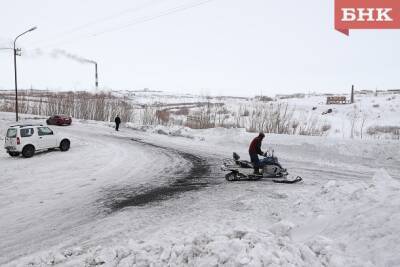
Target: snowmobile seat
245,164
242,163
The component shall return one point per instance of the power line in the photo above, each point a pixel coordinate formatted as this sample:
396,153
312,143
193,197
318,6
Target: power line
137,21
98,21
123,12
149,18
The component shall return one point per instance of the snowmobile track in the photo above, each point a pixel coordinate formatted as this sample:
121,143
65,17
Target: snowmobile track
198,177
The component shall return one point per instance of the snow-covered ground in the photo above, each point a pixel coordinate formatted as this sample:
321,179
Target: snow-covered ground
358,120
155,196
368,110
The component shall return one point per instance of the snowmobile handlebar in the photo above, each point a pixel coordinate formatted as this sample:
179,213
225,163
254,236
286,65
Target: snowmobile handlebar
269,153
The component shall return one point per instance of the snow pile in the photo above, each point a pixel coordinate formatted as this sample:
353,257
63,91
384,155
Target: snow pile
384,186
375,228
331,254
174,131
234,248
274,247
362,215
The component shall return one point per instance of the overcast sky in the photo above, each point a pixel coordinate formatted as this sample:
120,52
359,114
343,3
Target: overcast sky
219,47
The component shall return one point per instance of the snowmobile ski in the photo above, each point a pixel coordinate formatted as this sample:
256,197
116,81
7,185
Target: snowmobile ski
284,181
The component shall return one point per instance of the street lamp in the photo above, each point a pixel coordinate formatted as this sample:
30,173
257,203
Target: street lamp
15,71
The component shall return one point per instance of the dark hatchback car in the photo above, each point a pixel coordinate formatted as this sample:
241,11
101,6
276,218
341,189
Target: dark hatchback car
59,120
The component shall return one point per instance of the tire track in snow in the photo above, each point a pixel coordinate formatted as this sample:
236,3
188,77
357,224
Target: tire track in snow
197,177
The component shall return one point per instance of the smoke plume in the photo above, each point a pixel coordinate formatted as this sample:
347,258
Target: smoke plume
60,52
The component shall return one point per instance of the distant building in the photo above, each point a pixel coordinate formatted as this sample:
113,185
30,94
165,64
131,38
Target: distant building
336,100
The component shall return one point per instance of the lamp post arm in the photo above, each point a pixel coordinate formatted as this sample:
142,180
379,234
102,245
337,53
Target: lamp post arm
15,40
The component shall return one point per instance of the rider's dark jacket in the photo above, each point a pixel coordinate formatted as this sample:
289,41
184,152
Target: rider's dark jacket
255,146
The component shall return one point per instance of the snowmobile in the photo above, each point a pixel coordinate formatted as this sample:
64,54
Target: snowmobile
243,170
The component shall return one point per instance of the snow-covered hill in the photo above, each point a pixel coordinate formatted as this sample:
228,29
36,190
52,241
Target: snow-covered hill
372,116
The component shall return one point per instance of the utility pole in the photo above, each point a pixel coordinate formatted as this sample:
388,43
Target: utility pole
16,83
16,51
352,94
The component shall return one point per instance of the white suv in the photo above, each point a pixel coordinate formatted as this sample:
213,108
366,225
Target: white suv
26,139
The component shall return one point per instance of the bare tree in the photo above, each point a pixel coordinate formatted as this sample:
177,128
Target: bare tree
363,120
354,116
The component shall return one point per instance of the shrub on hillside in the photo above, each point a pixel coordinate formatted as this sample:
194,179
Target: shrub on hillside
264,98
162,116
182,111
326,127
393,131
82,105
311,128
246,113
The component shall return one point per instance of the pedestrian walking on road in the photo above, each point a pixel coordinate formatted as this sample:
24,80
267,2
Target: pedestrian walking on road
117,122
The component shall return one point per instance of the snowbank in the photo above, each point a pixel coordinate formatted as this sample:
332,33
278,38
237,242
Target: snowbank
173,131
233,248
360,216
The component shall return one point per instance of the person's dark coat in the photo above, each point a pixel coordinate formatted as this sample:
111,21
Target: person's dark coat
255,146
117,120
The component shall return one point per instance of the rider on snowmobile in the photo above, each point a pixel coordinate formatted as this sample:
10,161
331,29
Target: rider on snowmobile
255,150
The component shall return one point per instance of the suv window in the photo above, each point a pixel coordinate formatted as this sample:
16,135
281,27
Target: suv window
12,133
28,132
44,131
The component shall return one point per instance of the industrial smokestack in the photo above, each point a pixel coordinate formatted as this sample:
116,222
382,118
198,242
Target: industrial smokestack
58,52
96,76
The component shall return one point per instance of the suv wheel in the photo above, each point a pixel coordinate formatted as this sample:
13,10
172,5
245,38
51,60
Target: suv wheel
64,145
28,151
13,154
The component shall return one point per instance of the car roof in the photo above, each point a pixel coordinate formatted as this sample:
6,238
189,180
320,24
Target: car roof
24,125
